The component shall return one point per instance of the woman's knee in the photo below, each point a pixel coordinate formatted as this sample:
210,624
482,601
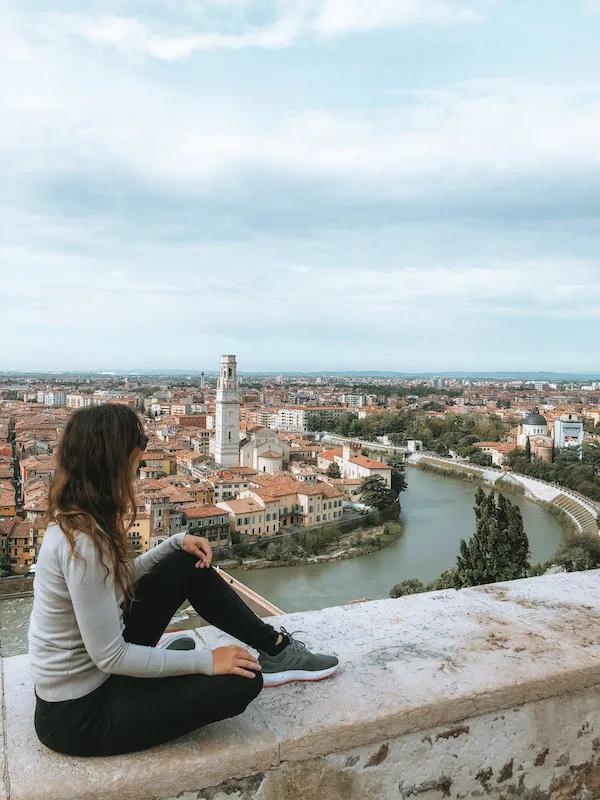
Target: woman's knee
245,691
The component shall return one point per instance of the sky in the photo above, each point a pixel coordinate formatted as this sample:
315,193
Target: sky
411,185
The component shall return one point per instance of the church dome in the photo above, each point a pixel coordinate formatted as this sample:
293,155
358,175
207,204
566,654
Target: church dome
535,419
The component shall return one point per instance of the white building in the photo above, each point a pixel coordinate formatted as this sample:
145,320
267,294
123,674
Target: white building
227,417
264,451
55,399
295,418
568,431
353,400
414,445
534,424
353,465
78,401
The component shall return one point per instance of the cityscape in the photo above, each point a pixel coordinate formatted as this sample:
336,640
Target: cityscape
245,458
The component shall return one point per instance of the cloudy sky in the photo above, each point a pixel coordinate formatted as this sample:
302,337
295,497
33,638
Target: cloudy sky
311,184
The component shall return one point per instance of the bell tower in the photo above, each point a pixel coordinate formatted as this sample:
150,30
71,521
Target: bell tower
227,422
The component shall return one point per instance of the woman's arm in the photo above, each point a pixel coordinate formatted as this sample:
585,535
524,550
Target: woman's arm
99,620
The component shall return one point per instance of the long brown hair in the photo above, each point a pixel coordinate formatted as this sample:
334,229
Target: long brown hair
92,491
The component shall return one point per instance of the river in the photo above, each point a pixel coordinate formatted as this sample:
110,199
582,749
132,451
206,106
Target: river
437,513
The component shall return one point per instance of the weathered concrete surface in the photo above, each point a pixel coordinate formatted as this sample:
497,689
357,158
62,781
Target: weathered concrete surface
3,763
412,663
565,605
208,757
518,753
434,691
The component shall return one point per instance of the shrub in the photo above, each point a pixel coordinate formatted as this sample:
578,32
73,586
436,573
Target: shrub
410,586
447,580
578,553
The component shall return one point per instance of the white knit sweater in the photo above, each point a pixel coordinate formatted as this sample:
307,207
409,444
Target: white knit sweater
76,626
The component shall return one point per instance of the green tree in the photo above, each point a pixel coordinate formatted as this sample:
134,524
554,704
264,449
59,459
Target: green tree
375,493
334,470
447,580
499,549
316,422
481,458
528,450
4,566
410,586
399,482
579,552
343,423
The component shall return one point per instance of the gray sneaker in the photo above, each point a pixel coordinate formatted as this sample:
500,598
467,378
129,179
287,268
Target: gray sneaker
176,641
296,663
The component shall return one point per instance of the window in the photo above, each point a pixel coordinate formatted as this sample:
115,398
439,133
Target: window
253,520
268,517
318,519
310,509
246,520
267,528
230,435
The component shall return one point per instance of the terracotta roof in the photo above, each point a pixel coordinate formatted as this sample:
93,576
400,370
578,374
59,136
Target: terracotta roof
244,506
204,510
369,463
270,454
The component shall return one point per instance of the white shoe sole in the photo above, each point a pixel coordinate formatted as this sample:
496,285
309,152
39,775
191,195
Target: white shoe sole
271,679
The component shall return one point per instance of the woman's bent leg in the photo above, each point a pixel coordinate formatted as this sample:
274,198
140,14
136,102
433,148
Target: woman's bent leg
128,714
159,593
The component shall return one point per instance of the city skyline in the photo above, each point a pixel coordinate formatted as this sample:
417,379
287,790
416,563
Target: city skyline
304,184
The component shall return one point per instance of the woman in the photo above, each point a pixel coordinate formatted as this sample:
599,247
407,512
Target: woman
102,685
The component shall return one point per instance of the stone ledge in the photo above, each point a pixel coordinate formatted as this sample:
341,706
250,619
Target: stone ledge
408,665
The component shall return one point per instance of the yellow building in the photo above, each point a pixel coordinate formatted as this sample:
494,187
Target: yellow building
139,533
246,516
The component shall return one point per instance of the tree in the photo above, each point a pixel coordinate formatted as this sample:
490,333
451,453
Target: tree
334,470
481,458
499,549
374,492
528,450
579,552
343,423
316,422
447,580
410,586
4,566
399,482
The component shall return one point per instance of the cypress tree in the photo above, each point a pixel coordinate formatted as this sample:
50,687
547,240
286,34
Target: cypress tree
499,548
528,450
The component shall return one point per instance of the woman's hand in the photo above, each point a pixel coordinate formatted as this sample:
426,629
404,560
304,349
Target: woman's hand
200,547
234,660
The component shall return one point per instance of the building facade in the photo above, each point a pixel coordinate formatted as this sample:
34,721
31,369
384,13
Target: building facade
227,417
568,432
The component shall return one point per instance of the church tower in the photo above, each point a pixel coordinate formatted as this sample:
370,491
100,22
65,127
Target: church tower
227,423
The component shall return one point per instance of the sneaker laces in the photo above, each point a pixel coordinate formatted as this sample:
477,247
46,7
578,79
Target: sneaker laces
297,644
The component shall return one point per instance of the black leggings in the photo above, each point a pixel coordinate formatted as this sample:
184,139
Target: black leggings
125,714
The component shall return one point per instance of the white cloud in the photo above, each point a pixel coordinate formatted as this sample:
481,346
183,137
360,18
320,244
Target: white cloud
233,25
337,17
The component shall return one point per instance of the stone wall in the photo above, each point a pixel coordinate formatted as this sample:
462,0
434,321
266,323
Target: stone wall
12,587
491,691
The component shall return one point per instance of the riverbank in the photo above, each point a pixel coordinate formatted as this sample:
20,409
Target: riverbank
503,484
350,545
